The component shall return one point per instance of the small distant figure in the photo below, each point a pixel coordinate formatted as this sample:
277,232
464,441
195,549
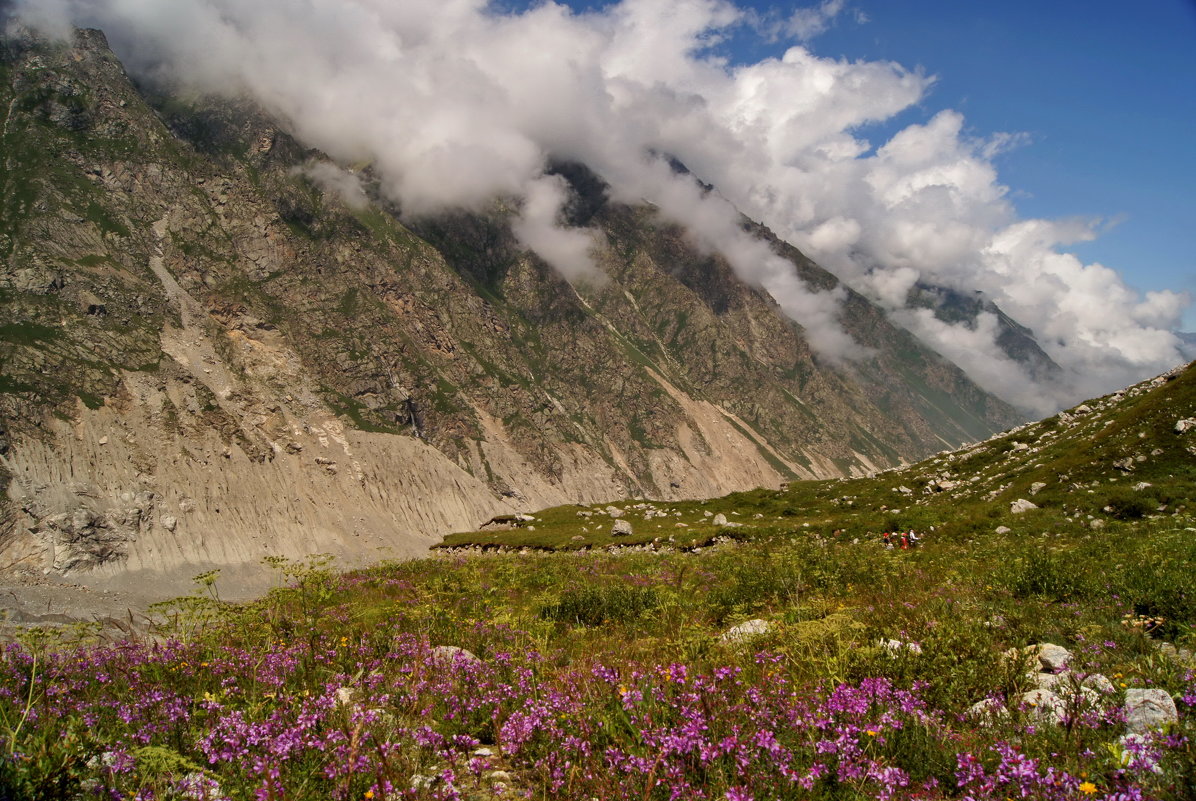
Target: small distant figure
914,539
904,541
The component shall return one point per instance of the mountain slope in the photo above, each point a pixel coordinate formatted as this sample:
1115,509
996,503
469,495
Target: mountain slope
207,358
1110,463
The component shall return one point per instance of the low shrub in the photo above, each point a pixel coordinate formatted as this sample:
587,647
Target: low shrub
594,605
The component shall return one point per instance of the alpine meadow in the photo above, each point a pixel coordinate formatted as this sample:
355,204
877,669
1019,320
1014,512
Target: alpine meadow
482,400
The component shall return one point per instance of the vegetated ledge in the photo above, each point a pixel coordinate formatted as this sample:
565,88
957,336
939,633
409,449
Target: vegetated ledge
655,545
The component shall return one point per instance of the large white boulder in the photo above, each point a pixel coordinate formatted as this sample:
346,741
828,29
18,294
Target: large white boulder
1147,709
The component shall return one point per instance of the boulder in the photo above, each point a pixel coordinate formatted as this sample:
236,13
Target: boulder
746,630
1021,505
720,519
345,696
1003,529
1185,425
1098,682
1043,706
1147,709
895,647
1055,682
1181,655
452,655
1053,658
987,712
621,528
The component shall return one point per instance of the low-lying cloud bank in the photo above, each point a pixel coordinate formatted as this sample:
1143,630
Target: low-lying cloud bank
455,102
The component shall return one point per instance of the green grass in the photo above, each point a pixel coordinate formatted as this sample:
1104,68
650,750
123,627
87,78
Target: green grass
28,334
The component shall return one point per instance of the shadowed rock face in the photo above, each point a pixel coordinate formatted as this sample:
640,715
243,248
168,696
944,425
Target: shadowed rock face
205,359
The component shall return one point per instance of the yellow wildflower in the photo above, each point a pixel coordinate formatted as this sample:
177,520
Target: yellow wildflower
1087,788
870,733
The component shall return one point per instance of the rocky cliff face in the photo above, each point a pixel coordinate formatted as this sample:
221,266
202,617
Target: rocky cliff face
206,359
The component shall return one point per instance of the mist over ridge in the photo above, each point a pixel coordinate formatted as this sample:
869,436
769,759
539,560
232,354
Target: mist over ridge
455,102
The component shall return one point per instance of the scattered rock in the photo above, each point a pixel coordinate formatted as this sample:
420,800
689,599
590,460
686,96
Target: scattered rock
1021,505
895,647
614,512
1055,682
746,630
1053,658
1043,706
422,782
1182,655
453,655
720,519
200,786
345,696
621,528
169,522
1003,529
1185,425
1037,487
1098,682
987,712
1147,709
